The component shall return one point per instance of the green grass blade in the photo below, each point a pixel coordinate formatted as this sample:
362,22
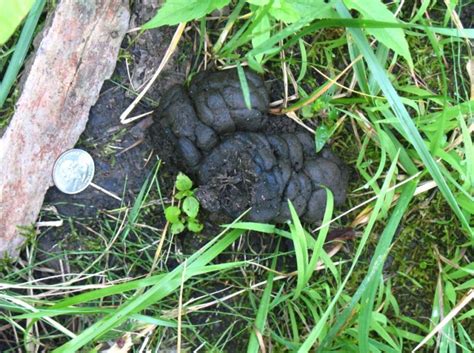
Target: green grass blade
301,250
405,120
263,310
108,291
244,85
268,229
304,61
469,150
323,232
359,68
21,50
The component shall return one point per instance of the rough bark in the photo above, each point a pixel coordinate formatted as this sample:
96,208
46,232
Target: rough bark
77,53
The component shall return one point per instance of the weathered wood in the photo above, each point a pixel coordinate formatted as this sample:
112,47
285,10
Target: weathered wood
77,53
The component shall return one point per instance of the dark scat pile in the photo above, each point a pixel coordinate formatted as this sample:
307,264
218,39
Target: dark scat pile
237,167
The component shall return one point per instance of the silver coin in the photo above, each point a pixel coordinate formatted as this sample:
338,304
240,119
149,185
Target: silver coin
73,171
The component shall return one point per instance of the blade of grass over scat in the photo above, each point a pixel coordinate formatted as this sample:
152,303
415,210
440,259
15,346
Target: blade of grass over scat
405,120
315,333
21,49
244,85
263,310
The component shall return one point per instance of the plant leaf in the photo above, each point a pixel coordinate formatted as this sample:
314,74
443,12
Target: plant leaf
183,183
21,49
177,11
191,206
244,85
393,38
172,214
177,228
13,12
323,133
261,33
194,226
283,11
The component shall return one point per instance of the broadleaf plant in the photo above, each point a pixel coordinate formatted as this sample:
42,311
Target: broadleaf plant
393,38
176,11
11,14
185,214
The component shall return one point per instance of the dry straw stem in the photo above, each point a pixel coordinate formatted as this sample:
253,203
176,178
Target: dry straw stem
363,217
465,301
457,22
349,89
323,90
290,111
32,309
168,54
108,193
136,117
365,202
470,71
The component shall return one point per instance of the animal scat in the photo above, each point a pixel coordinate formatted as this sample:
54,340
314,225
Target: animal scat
236,165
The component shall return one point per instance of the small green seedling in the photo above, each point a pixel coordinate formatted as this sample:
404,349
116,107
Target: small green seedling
184,215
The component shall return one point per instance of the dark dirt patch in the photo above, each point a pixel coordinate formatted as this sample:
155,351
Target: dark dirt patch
121,155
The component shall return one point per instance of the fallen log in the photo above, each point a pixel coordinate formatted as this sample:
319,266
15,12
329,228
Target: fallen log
77,53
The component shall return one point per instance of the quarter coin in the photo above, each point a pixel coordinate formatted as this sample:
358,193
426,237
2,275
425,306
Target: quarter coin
73,171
